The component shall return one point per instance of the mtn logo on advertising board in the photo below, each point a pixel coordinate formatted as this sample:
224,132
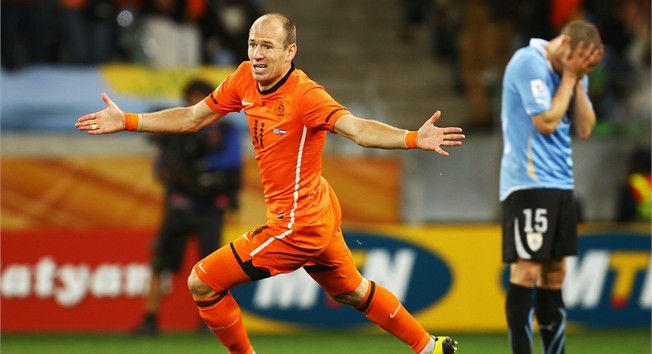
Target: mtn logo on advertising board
609,284
407,270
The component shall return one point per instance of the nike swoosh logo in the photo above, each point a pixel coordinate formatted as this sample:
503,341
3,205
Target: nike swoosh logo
245,103
201,266
549,327
392,315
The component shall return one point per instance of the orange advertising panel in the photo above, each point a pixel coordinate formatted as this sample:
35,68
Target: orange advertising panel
109,191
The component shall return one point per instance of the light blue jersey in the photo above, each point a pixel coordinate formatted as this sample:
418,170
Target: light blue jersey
531,159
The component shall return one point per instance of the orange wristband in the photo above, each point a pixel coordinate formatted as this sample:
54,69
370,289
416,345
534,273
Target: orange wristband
411,139
132,121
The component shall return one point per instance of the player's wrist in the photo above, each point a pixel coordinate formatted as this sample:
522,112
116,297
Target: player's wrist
133,121
571,76
411,139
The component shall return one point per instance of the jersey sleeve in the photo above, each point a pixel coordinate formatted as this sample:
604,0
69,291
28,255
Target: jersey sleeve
321,111
530,80
226,98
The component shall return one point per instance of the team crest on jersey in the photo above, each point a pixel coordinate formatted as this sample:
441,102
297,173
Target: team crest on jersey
534,240
538,88
279,108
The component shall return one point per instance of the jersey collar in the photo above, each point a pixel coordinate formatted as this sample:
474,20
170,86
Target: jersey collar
278,84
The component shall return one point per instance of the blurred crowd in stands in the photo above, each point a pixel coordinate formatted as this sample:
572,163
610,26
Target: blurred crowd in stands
477,38
161,33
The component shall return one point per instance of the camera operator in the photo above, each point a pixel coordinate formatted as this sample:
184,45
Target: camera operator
201,176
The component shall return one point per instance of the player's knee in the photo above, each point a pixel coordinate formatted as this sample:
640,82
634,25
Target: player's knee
347,299
553,279
524,273
197,287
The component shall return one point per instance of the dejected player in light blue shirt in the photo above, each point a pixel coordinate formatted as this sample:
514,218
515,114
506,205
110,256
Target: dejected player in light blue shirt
544,97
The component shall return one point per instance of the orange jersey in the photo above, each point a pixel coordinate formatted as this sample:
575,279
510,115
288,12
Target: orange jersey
288,125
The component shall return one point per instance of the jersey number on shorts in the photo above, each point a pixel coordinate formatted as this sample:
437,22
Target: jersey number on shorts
535,226
535,220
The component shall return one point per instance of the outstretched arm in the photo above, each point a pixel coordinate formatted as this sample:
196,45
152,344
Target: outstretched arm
174,120
371,133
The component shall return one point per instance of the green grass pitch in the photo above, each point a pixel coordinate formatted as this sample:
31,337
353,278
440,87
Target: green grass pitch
593,342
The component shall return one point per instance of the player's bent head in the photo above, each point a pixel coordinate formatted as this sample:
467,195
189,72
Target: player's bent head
582,31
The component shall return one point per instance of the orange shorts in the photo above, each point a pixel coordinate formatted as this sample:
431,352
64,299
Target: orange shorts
317,246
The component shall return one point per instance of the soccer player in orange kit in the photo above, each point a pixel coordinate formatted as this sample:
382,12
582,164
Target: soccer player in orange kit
289,116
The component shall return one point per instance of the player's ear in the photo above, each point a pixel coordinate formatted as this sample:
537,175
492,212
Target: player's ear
562,45
291,51
564,40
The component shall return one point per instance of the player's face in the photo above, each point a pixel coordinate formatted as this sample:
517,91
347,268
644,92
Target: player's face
270,60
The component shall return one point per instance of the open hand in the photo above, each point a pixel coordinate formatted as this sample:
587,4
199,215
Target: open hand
109,120
582,60
431,137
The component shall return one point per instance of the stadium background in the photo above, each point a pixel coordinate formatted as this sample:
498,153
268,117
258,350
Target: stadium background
78,213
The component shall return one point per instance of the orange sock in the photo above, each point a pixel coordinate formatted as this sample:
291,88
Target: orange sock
222,315
383,308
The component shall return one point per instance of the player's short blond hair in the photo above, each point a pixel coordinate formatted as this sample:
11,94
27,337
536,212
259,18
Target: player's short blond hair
582,31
